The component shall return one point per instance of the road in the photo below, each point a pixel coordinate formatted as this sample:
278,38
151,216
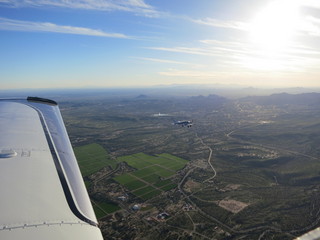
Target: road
265,229
295,231
209,158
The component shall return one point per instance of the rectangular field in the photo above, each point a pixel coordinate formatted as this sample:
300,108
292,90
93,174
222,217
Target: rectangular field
125,178
169,187
134,185
134,162
150,195
145,172
153,178
152,175
162,183
143,191
92,157
102,209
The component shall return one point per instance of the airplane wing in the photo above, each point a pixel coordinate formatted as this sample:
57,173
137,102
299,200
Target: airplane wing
312,235
43,195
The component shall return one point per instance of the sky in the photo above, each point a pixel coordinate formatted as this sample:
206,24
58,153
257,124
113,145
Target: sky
138,43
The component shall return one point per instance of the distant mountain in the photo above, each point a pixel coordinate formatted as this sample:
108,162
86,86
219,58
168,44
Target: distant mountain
205,102
142,96
211,98
285,99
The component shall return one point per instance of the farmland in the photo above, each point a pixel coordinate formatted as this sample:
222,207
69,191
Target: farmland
265,155
152,174
92,158
102,209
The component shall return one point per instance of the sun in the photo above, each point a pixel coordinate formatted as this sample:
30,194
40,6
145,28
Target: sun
273,28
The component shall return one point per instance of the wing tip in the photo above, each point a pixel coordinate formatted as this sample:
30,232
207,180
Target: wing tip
42,100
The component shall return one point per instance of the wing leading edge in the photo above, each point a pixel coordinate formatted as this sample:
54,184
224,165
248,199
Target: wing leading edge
42,192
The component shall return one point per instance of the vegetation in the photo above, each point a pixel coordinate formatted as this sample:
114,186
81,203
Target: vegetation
152,175
92,158
265,155
103,208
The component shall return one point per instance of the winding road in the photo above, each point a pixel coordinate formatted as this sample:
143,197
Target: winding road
265,229
209,158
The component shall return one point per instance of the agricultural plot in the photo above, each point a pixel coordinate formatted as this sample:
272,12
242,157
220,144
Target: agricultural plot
134,162
146,171
92,158
103,208
143,191
169,186
125,178
152,175
150,195
153,178
162,183
164,160
135,185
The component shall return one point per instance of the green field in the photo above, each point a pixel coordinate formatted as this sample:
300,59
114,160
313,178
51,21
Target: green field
153,178
134,162
150,195
134,185
92,157
169,187
146,171
162,183
164,160
103,208
125,178
152,175
143,191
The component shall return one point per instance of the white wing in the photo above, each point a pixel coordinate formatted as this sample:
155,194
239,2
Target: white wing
42,192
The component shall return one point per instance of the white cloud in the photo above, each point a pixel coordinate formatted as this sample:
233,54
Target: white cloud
136,6
18,25
242,55
221,23
191,74
311,26
310,3
159,60
186,50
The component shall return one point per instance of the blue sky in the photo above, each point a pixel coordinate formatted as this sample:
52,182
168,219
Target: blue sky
125,43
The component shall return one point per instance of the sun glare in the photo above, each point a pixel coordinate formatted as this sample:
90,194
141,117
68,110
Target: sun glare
274,26
272,31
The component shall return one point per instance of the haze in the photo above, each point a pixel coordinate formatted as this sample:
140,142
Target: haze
126,43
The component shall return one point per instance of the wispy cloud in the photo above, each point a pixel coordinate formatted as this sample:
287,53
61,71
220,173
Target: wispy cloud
171,62
310,3
160,60
308,24
311,26
294,57
18,25
136,6
221,23
186,50
242,55
191,74
211,48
